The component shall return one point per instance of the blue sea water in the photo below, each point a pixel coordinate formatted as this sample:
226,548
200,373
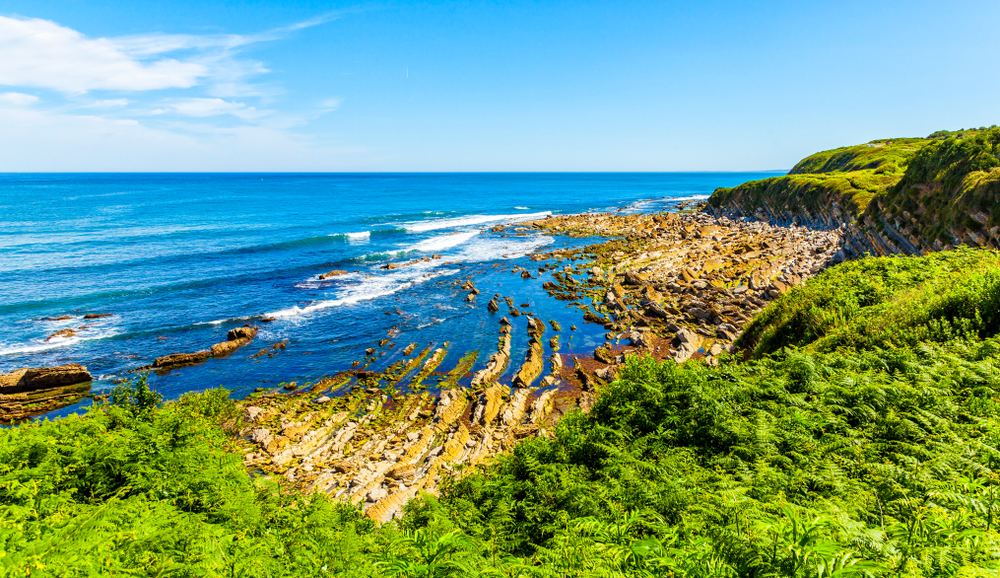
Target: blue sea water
179,259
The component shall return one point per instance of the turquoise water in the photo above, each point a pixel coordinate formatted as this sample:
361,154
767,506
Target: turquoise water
178,259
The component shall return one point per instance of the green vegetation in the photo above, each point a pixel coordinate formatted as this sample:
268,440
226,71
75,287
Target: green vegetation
849,177
861,438
954,182
886,156
948,177
816,193
885,303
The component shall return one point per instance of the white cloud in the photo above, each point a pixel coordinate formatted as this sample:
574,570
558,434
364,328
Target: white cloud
43,54
109,103
331,104
204,107
185,129
37,140
17,98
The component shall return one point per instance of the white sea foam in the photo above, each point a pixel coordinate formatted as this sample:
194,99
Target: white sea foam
371,287
493,248
423,226
226,320
360,236
688,198
522,208
39,345
441,242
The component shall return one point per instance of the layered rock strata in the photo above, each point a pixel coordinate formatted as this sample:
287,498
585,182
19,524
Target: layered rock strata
235,339
25,393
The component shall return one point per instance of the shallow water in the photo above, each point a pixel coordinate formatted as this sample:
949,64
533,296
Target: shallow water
181,258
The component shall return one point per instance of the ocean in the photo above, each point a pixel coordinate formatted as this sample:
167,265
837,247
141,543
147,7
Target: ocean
178,259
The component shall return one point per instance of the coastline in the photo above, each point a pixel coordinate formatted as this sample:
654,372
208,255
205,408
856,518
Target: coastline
669,285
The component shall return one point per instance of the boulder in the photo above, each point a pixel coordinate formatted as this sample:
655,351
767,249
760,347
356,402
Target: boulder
23,380
97,315
241,333
604,354
633,278
607,373
64,333
334,273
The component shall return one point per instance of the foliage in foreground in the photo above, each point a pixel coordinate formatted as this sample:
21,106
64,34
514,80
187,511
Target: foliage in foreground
885,302
803,465
867,457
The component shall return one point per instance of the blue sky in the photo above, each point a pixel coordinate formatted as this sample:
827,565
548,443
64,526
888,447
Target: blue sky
481,86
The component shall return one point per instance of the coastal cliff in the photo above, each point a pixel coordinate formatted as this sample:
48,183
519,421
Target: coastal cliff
888,197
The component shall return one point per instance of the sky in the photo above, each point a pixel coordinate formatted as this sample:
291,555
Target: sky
242,85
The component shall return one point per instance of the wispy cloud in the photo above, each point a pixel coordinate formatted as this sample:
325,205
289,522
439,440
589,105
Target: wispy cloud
155,101
17,98
107,103
330,104
43,54
204,107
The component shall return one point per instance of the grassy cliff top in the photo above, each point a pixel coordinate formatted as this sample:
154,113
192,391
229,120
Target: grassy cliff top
853,176
888,156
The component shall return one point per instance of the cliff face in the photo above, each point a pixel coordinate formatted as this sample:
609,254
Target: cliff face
906,196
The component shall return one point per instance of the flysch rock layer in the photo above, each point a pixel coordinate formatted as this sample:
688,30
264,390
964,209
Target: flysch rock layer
674,286
25,393
681,284
371,445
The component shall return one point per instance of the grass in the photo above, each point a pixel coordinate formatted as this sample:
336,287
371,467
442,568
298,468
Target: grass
884,303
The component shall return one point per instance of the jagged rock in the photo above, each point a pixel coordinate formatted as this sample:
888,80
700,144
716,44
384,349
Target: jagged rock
28,392
688,336
640,339
96,315
334,273
23,380
634,278
251,413
532,366
64,333
604,354
178,359
607,373
492,306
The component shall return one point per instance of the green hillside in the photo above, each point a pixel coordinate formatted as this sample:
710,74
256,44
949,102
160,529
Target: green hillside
937,188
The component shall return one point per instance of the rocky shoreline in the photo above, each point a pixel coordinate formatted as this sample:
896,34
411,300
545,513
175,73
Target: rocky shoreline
670,285
673,285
